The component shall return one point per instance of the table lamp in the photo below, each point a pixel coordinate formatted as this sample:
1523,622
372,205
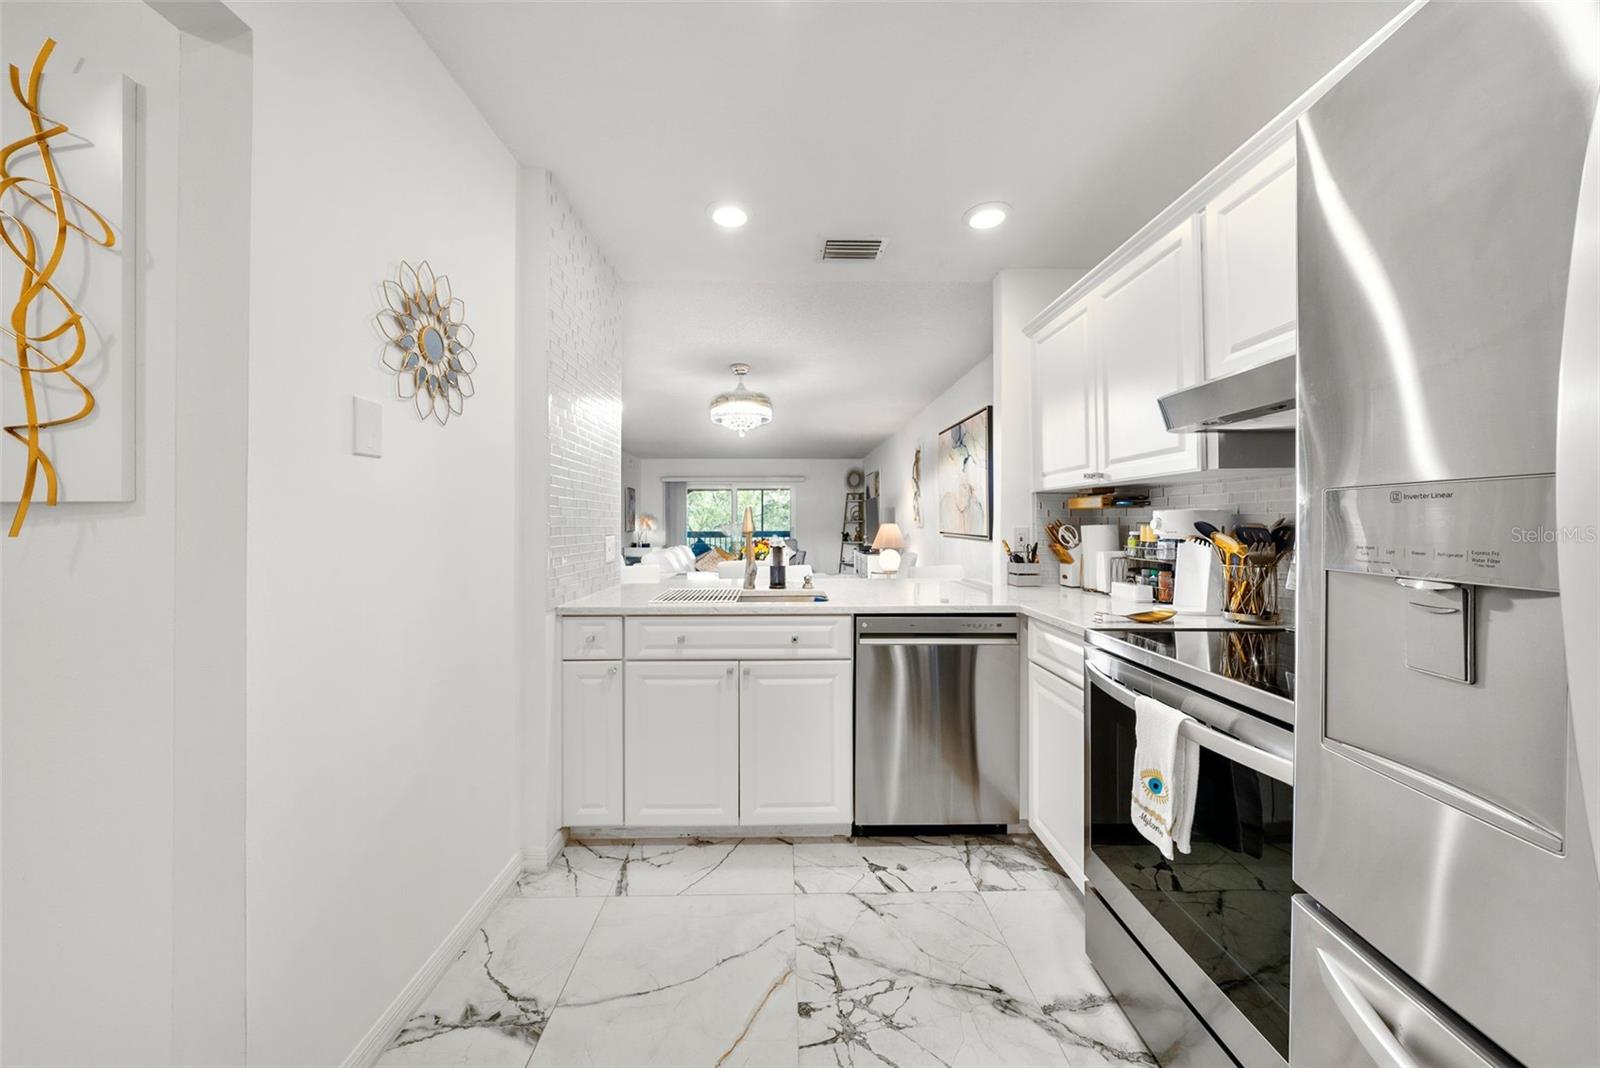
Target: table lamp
887,543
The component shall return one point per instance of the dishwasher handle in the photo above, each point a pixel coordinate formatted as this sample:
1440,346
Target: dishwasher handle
943,639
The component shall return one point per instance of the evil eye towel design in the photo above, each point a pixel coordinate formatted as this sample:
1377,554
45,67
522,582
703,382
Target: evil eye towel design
1165,764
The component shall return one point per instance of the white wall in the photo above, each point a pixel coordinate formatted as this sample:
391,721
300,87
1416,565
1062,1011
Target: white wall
382,664
89,644
892,460
817,500
1019,295
630,477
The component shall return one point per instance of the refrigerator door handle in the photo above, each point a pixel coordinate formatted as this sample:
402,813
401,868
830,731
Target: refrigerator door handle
1577,476
1370,1030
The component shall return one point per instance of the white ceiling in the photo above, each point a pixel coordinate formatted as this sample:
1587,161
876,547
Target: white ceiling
845,365
863,119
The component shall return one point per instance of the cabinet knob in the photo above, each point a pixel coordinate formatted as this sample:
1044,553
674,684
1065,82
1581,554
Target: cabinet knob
682,638
589,638
612,670
794,639
730,673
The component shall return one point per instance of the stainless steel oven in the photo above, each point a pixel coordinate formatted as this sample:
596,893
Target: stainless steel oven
1196,949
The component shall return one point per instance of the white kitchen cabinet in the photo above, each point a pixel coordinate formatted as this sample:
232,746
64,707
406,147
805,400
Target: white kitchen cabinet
1101,363
1251,310
1147,343
591,744
795,742
738,637
1064,400
1056,768
681,756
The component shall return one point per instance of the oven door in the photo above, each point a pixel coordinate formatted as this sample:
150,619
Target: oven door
1215,921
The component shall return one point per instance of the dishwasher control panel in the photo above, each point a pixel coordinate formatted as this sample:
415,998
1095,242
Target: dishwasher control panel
928,625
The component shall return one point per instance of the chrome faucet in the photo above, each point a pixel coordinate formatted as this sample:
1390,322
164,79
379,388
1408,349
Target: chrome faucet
749,550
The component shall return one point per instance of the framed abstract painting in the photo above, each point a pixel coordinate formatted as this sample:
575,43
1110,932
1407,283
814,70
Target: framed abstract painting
966,483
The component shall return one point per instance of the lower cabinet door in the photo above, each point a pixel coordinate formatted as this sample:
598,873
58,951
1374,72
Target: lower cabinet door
795,742
682,752
1055,768
591,744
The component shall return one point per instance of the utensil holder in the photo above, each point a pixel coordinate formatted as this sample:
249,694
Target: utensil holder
1250,592
1022,574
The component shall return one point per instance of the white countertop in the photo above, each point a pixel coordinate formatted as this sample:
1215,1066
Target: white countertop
1070,609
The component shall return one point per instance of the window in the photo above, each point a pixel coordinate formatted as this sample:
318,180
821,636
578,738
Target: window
716,513
769,507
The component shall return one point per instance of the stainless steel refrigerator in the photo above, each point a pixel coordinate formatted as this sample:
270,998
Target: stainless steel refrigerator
1446,738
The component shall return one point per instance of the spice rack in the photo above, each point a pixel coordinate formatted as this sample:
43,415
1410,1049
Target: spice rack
1149,569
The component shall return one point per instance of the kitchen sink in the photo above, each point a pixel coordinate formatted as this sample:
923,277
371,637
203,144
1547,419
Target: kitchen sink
783,596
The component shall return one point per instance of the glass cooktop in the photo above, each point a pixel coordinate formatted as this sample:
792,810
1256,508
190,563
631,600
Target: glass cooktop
1262,660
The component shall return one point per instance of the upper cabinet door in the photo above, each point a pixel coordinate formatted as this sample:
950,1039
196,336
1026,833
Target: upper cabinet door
1064,400
1147,343
1250,293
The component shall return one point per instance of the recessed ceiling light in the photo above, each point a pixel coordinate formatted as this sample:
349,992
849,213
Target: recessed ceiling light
987,216
729,216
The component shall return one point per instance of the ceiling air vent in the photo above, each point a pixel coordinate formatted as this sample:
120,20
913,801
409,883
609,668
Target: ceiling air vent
861,248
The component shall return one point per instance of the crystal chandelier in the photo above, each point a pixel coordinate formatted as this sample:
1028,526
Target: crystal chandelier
741,409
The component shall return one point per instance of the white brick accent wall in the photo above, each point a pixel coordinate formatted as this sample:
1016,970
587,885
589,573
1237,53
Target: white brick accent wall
585,361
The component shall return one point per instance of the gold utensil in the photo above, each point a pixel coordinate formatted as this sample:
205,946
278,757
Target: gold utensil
1158,615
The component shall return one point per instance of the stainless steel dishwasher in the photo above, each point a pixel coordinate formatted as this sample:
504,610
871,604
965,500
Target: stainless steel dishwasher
938,721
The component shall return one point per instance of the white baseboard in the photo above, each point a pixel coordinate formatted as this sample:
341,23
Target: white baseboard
775,830
377,1039
539,859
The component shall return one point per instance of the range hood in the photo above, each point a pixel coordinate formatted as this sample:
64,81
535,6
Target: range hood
1261,398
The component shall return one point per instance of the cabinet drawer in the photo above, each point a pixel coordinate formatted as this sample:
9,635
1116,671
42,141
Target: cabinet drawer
591,638
738,637
1056,650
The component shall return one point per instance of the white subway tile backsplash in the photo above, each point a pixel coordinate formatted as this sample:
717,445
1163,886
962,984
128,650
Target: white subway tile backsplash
585,368
1253,499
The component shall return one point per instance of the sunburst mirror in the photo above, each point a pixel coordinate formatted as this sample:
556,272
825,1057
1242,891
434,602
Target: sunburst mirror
430,343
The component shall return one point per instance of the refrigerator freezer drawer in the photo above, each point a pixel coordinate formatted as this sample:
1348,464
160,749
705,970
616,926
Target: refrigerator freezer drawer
1349,1008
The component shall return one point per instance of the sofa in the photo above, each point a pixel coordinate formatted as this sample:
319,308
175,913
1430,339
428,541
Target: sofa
673,560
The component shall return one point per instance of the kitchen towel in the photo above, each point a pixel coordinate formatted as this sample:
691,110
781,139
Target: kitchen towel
1165,767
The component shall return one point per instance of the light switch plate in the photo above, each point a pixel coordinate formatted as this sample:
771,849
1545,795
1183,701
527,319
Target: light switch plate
611,546
367,419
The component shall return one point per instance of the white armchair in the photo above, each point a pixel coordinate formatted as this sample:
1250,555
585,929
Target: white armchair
673,560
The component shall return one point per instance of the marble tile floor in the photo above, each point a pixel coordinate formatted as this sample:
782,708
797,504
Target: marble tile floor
860,951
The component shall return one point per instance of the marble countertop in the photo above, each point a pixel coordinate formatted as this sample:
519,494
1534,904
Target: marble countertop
1070,609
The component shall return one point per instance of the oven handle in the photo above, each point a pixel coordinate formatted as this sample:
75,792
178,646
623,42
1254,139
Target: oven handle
1224,745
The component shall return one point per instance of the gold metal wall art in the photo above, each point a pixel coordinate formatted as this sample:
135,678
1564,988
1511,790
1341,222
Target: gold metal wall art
48,339
430,343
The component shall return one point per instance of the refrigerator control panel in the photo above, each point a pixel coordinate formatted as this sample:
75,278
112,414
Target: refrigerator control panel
1482,532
